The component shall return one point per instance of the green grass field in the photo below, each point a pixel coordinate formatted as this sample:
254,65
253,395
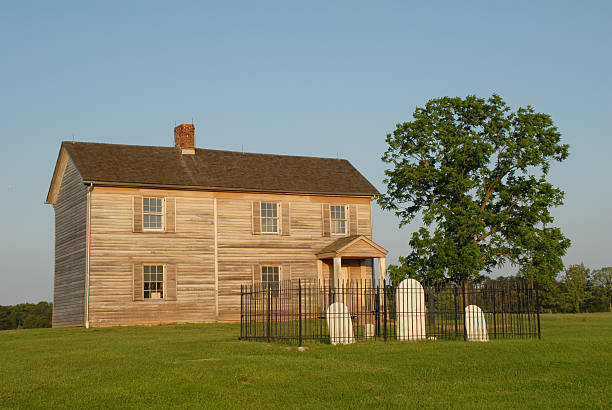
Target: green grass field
198,366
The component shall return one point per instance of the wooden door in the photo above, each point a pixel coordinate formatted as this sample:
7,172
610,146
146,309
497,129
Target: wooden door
345,273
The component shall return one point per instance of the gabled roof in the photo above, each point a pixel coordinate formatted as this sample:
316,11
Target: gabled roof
352,246
133,165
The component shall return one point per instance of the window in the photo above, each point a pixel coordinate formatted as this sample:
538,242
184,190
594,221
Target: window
152,213
269,217
270,279
338,219
153,280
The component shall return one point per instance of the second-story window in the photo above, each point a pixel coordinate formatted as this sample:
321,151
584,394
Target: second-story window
338,219
269,217
152,214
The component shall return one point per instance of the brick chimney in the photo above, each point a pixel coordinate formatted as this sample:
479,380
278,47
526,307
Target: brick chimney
184,138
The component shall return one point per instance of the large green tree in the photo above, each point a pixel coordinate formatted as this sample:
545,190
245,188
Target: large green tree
476,172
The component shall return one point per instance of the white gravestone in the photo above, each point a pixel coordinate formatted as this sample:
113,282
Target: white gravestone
340,324
368,330
410,305
475,325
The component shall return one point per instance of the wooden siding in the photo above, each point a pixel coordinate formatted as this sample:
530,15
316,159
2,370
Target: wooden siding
239,249
115,248
70,243
364,220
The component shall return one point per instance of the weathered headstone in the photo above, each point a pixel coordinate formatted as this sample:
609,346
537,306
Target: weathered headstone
340,324
368,330
410,305
475,324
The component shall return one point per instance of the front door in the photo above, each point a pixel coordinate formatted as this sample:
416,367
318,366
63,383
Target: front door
345,273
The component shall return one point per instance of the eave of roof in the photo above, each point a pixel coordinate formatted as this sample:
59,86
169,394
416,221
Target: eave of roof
56,179
166,167
221,189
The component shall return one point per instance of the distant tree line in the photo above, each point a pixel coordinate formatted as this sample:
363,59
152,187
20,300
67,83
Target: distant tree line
576,290
26,316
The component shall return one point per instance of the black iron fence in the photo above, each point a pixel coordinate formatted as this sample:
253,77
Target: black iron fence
343,312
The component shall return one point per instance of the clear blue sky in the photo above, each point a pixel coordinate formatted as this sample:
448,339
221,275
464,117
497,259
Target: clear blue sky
311,78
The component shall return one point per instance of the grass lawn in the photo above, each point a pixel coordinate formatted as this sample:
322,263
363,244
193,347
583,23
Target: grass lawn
206,366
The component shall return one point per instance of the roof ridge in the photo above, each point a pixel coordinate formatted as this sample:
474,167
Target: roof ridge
207,149
149,165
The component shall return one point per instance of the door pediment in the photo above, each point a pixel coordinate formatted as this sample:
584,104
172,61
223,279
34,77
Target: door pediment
352,247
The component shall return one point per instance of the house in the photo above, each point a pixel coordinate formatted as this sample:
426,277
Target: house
148,235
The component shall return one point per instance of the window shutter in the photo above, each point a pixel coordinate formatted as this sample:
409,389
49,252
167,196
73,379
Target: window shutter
170,214
137,214
279,221
352,214
138,291
285,272
256,277
170,282
326,220
286,219
256,273
256,217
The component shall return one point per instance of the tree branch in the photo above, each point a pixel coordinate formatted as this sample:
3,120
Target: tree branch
491,232
505,255
492,187
496,227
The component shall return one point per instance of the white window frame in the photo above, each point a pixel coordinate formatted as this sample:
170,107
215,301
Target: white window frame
161,214
263,218
266,284
332,219
163,281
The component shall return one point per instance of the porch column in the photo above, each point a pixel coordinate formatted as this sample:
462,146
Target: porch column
337,277
382,270
337,269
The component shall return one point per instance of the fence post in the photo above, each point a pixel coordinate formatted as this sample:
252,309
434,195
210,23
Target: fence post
300,308
241,309
538,308
456,313
385,308
463,304
494,311
253,310
269,311
377,310
503,309
321,305
518,307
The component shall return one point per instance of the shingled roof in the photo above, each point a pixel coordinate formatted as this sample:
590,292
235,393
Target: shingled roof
133,165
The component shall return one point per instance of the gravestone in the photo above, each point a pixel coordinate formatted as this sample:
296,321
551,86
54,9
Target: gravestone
339,324
410,305
368,330
475,324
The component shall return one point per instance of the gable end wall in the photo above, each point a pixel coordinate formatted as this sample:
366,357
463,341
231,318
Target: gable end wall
70,247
